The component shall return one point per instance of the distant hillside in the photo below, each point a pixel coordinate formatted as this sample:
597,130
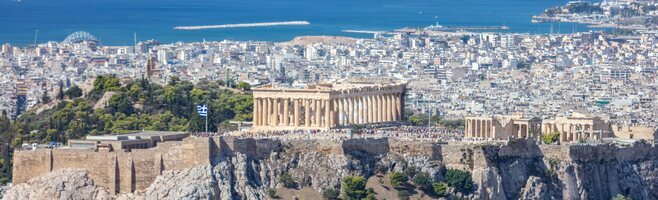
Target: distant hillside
115,107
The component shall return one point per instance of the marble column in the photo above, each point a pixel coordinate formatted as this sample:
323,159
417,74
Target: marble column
318,112
296,117
341,111
276,113
362,111
394,110
387,108
307,113
366,110
286,113
371,110
328,120
380,107
268,110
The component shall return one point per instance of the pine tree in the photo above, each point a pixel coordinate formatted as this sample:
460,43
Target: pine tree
45,98
60,93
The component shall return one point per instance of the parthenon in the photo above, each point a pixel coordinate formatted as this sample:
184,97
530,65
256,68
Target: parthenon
571,128
328,105
501,127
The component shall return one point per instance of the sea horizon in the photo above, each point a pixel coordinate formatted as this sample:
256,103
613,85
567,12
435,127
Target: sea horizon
116,23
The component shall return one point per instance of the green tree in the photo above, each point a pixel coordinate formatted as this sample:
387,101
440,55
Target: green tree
410,171
330,194
287,181
621,197
60,91
74,92
418,120
45,98
119,103
243,86
440,189
370,194
403,195
112,84
271,192
459,179
551,138
398,179
423,181
353,187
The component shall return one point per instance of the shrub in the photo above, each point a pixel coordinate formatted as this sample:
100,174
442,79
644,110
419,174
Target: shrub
621,197
403,195
551,138
370,194
440,189
73,92
271,193
330,194
243,86
353,187
287,181
410,171
398,179
422,180
459,179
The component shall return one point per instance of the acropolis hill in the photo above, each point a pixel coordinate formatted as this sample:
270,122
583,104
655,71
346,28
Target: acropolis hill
245,168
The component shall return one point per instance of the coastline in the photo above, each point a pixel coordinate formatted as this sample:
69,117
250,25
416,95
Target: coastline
324,39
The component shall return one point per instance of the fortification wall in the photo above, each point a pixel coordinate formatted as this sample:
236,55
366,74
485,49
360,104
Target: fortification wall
121,172
28,164
101,165
117,171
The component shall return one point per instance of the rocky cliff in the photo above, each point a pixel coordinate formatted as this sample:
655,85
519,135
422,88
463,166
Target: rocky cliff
516,170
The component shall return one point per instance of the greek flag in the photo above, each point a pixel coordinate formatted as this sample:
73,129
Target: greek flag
202,110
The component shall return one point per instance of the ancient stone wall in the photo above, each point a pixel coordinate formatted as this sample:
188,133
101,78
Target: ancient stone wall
29,164
122,172
116,171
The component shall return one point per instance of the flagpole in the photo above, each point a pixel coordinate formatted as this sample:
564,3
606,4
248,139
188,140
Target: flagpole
207,117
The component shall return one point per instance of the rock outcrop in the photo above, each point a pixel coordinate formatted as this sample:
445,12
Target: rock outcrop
517,170
61,184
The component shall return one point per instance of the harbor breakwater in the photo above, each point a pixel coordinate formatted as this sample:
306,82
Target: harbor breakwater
288,23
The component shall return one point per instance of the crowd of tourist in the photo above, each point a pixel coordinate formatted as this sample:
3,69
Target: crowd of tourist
399,132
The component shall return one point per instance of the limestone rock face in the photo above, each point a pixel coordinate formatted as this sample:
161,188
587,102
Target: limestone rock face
60,184
513,171
194,183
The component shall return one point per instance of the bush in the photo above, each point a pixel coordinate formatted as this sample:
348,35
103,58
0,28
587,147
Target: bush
287,181
410,171
74,92
551,138
370,194
398,179
440,189
422,180
243,86
621,197
353,187
459,179
403,195
418,120
330,194
271,193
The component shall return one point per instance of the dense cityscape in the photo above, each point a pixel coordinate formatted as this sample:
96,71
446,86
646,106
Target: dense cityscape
435,112
452,74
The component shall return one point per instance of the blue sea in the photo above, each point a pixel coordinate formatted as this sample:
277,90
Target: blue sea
115,21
